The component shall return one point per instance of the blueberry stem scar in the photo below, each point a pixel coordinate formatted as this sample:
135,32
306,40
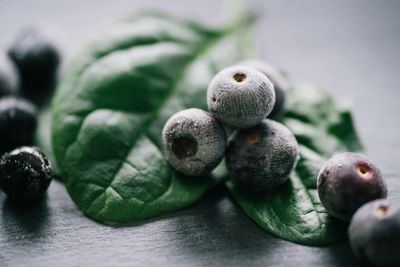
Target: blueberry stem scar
364,171
240,96
252,137
239,77
382,211
184,147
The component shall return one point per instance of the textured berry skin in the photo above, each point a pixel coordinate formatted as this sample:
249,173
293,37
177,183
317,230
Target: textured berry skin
25,173
279,82
346,182
37,60
240,96
194,142
18,120
8,76
262,157
374,233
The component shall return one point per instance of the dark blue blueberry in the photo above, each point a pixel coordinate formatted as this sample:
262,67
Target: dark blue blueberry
346,182
374,233
8,76
25,173
18,120
262,157
37,60
194,142
240,96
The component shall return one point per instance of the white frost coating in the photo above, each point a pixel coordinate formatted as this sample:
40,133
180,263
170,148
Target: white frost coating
13,103
33,151
207,133
240,103
264,162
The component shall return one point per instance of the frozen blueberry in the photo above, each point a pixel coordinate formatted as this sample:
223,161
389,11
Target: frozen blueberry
374,233
346,182
194,142
25,173
277,79
262,157
240,96
18,120
37,61
8,76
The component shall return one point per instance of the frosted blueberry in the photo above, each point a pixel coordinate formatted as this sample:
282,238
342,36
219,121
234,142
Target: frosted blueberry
25,173
280,84
262,157
240,96
194,142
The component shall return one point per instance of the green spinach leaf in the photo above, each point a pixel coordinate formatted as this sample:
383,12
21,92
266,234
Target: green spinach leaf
111,106
294,211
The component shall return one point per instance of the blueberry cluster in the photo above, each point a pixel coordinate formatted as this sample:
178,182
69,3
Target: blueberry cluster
28,75
260,154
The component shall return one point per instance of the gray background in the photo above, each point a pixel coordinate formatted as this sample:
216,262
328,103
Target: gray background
350,47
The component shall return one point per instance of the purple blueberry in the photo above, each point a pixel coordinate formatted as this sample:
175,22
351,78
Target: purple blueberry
346,182
374,233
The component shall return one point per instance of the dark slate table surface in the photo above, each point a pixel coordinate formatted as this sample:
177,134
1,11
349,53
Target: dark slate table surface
350,47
